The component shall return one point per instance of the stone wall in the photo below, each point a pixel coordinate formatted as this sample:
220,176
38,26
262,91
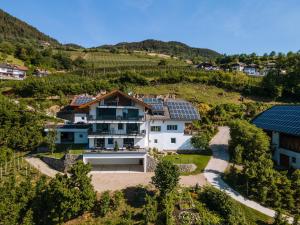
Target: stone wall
63,164
187,168
54,163
151,164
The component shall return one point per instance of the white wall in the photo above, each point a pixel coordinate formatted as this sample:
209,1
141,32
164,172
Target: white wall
278,151
183,142
80,117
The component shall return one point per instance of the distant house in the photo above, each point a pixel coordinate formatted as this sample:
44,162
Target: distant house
238,66
207,66
41,73
252,70
282,124
268,67
12,72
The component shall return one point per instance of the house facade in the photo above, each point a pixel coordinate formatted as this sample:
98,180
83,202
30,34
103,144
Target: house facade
12,72
117,127
282,124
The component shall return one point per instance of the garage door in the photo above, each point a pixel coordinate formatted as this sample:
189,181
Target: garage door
99,161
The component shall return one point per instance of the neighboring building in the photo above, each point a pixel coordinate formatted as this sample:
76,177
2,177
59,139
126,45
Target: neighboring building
207,66
238,66
282,124
41,73
12,72
119,123
252,70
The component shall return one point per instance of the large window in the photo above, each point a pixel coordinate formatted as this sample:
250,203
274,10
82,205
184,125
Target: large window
106,114
67,137
156,128
128,142
289,142
172,127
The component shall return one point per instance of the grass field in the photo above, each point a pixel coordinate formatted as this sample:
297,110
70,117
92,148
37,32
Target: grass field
200,160
107,59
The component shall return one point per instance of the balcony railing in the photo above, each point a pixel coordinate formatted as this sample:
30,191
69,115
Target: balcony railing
122,118
116,132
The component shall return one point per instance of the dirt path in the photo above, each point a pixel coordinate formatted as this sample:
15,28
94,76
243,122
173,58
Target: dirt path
41,166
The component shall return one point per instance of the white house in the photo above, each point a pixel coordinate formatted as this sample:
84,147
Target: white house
238,66
282,124
12,72
119,123
252,70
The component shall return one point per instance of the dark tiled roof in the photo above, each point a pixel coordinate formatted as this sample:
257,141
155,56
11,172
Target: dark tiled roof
182,110
285,119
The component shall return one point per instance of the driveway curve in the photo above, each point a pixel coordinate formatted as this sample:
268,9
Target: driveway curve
218,164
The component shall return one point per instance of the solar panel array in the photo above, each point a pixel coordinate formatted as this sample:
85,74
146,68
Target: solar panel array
285,119
181,110
82,100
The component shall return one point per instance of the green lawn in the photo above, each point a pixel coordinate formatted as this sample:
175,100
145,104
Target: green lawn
200,160
255,217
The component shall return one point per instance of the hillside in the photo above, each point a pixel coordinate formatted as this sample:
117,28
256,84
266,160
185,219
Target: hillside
14,29
104,59
172,48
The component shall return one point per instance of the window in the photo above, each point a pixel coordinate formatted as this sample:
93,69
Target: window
155,141
294,160
80,135
82,118
173,140
289,142
110,141
172,127
156,128
120,126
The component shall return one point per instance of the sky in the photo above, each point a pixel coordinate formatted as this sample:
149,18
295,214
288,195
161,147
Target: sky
226,26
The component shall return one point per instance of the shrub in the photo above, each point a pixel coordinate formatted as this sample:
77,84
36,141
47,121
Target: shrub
104,203
222,204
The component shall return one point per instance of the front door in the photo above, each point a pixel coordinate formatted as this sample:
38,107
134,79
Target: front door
284,160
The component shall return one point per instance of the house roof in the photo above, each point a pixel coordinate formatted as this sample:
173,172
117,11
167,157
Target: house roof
174,109
98,99
81,99
281,118
11,66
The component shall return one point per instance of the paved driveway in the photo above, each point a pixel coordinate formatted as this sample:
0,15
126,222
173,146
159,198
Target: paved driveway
117,181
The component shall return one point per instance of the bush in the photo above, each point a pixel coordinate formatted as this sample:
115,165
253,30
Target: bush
104,204
222,204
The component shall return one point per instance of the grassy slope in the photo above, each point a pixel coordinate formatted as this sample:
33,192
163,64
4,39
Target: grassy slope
199,93
193,92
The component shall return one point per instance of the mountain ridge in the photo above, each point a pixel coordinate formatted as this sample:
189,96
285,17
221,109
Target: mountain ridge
174,48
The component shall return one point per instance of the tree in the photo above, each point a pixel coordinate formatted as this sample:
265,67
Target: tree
162,62
51,139
68,197
166,177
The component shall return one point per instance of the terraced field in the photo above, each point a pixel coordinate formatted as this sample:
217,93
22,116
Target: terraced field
106,59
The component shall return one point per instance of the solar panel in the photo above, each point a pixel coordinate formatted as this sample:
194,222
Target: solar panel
157,107
152,100
182,110
82,100
285,119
